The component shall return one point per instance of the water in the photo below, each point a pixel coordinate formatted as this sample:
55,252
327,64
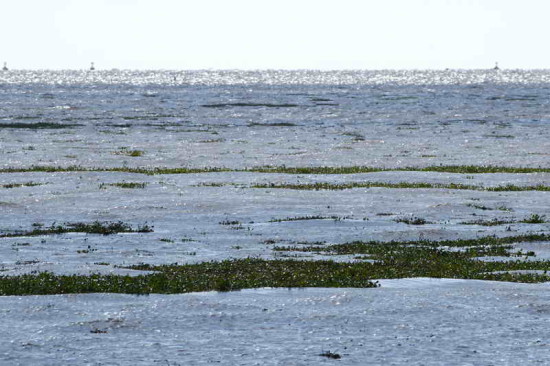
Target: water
243,119
302,118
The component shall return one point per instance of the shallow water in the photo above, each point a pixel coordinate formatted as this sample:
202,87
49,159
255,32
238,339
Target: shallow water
244,119
302,118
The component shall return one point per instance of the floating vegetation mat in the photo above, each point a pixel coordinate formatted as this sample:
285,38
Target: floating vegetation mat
96,227
462,169
19,185
340,186
219,276
39,125
460,258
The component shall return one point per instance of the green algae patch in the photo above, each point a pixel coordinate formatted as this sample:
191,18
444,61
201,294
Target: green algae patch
126,185
211,276
19,185
462,169
461,258
96,227
386,260
39,125
324,186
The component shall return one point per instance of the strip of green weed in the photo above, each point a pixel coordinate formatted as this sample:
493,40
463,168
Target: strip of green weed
314,217
391,260
318,186
38,125
18,185
127,185
464,169
219,276
372,247
96,227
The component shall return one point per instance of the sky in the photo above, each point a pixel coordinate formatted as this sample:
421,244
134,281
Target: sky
281,34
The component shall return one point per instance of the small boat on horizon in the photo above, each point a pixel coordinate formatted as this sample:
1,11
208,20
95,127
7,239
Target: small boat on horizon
5,68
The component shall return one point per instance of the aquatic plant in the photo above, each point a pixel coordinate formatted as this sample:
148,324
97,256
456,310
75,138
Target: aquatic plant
535,219
401,185
17,185
96,227
127,185
314,217
39,125
328,354
470,169
226,275
125,151
242,104
386,260
229,222
412,220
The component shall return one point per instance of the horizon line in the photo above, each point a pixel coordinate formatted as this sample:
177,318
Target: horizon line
277,69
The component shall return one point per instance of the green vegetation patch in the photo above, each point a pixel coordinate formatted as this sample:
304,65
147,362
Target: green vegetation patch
401,185
361,247
460,258
313,217
273,124
78,168
18,185
241,104
39,125
388,260
533,219
96,227
219,276
127,185
125,151
465,169
412,220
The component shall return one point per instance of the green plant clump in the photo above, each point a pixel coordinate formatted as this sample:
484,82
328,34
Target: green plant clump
535,219
462,169
401,185
96,227
126,185
18,185
218,276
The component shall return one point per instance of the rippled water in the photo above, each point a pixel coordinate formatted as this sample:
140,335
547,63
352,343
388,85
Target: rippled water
243,119
237,119
277,77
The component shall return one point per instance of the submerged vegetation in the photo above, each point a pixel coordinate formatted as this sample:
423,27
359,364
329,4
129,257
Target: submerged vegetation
533,219
39,125
125,151
461,258
314,217
401,185
412,220
96,227
123,185
18,185
242,104
219,276
461,169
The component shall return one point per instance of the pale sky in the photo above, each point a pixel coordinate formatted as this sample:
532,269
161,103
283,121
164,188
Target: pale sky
280,34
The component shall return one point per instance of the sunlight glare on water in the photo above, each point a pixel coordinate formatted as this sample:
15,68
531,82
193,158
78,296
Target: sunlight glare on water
276,77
